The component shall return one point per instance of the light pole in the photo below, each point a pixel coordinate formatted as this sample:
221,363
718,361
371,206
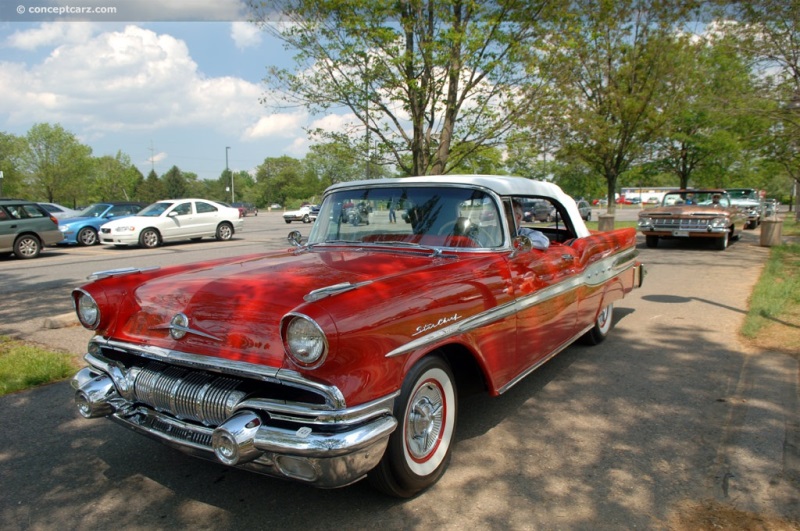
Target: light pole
227,148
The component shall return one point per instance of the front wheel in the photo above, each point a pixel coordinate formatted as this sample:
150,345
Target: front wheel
87,236
419,449
224,232
722,243
149,238
602,326
27,246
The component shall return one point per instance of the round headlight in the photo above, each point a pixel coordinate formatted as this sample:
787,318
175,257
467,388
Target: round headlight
305,342
87,310
718,223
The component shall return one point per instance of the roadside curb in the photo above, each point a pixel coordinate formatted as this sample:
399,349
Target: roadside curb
60,321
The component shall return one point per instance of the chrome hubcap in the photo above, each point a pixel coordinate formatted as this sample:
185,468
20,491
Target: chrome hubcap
425,420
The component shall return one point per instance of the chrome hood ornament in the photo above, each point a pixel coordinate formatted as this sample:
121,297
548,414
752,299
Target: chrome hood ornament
179,326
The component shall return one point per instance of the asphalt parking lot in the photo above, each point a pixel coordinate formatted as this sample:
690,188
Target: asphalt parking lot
672,412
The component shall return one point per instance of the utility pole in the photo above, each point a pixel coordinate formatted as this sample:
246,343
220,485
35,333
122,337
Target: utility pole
227,148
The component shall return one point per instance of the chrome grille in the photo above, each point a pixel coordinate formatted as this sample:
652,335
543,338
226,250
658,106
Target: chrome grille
187,395
680,223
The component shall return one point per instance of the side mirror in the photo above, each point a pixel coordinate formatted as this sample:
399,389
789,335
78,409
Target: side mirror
521,244
295,238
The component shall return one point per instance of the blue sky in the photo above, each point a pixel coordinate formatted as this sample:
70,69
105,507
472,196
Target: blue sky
163,92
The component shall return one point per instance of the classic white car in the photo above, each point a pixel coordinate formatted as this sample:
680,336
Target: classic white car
304,214
173,220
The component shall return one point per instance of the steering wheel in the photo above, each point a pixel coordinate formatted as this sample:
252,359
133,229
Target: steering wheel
447,228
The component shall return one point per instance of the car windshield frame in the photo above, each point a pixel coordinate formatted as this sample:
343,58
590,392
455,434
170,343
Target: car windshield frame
697,197
94,211
431,215
156,209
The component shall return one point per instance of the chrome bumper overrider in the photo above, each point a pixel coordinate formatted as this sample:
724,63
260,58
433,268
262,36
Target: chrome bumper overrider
207,416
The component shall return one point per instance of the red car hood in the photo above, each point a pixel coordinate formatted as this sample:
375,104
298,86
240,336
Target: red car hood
235,307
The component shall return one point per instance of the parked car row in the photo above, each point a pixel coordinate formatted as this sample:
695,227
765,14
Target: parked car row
26,227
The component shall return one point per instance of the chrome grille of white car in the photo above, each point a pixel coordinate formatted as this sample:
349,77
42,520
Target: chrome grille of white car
187,395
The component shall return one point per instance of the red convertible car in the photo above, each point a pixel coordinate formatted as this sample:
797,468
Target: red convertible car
344,356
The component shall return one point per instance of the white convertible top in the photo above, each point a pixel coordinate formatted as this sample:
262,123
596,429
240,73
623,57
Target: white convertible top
503,185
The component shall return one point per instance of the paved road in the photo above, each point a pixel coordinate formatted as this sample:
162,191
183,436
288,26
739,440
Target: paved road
672,409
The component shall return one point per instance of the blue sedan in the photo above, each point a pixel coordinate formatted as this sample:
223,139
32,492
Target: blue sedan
83,228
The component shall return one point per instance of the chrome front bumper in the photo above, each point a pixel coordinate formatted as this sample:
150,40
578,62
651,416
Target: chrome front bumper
319,446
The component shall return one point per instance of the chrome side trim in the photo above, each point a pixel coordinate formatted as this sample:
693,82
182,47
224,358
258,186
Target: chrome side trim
594,275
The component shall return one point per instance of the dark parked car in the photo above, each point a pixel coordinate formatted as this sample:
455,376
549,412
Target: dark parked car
537,210
26,227
246,208
84,228
585,209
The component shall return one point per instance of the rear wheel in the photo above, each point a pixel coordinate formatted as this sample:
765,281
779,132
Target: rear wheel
149,238
419,449
601,328
87,236
224,232
27,246
651,241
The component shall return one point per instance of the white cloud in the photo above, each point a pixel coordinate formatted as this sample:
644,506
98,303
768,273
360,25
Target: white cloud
128,80
245,35
284,125
50,33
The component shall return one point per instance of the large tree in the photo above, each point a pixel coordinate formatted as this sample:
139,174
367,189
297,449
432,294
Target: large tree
55,163
439,80
769,31
115,178
612,85
11,181
715,122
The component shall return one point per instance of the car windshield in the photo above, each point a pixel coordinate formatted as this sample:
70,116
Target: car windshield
743,193
93,211
446,216
696,198
154,210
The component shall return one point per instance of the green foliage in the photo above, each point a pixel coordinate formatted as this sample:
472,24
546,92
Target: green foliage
55,164
23,366
611,87
422,79
11,185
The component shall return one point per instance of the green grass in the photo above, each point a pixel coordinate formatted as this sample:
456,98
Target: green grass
776,296
23,366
